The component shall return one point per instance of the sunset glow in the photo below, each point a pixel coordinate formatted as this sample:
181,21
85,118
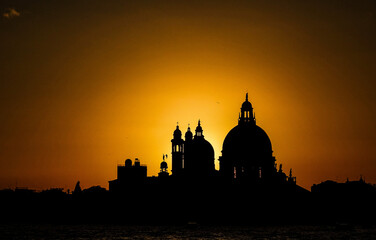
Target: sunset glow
86,85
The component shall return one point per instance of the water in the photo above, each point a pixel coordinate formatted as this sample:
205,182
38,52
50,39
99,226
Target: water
104,232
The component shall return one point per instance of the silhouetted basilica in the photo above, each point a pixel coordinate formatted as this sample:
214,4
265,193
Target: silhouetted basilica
247,157
247,152
247,188
247,183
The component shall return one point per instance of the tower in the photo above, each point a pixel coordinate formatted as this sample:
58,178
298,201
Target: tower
246,113
177,152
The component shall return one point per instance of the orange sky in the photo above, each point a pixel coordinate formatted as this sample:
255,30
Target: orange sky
87,84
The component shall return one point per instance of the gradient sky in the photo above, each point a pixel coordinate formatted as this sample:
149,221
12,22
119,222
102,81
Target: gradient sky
86,84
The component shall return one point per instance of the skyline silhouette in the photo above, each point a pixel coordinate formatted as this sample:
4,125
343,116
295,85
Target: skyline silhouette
247,158
86,86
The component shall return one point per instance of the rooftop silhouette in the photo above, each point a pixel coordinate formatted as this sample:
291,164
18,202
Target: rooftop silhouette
247,188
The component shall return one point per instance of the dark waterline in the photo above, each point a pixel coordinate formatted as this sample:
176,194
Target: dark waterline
104,232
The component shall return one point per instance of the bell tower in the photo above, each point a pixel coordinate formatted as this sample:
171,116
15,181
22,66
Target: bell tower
177,152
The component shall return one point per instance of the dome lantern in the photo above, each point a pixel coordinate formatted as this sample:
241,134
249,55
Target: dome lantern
199,130
246,115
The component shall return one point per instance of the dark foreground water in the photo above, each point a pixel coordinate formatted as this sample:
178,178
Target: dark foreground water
104,232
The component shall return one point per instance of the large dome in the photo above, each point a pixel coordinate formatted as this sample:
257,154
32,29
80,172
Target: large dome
249,141
247,150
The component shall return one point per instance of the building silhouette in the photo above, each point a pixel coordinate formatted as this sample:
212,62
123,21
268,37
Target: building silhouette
129,175
192,157
247,151
248,188
247,158
246,183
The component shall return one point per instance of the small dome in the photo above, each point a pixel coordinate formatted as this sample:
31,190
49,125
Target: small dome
247,106
202,146
188,134
177,133
164,165
199,157
128,163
